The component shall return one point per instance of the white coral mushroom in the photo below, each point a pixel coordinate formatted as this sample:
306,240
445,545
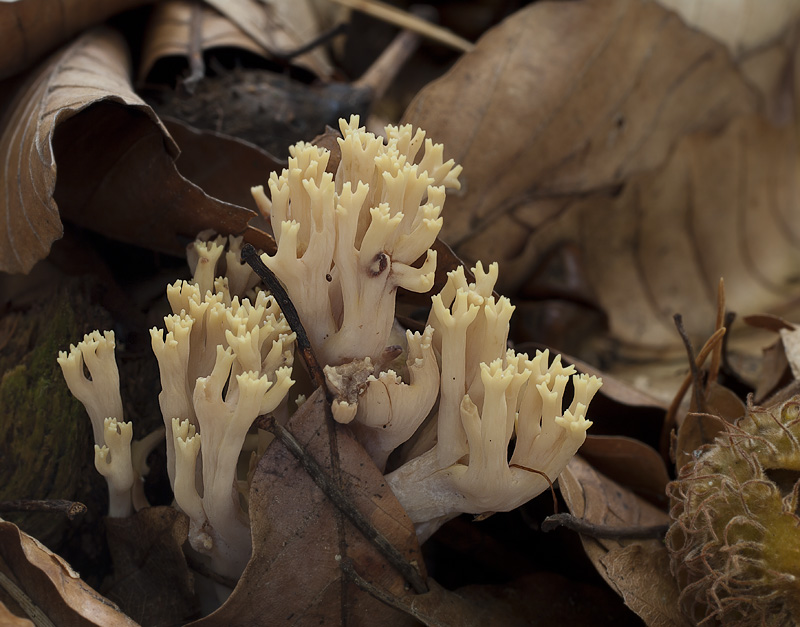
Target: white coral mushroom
346,243
113,461
218,525
216,341
489,397
389,411
100,395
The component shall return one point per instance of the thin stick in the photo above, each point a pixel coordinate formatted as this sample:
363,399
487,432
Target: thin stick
606,532
71,509
322,38
697,379
250,256
342,502
406,20
716,355
669,419
383,71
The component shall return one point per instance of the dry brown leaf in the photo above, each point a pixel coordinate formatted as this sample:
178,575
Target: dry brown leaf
791,345
79,142
637,569
184,28
569,98
300,539
724,204
31,28
630,463
641,573
697,429
151,580
223,167
760,35
52,585
279,27
590,133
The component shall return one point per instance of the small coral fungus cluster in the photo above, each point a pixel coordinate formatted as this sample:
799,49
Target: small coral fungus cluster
735,540
224,361
346,241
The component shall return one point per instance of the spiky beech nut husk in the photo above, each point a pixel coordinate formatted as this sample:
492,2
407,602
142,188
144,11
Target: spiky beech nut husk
734,542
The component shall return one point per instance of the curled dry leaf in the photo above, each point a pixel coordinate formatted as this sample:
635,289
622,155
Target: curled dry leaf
294,575
185,28
637,569
279,27
51,585
31,28
223,167
78,141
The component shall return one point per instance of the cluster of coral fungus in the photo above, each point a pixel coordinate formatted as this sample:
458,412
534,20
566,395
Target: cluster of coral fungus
346,241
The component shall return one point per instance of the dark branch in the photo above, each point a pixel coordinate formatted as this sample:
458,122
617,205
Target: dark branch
697,379
634,532
71,509
250,256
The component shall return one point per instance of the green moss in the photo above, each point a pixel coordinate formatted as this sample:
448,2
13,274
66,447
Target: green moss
44,432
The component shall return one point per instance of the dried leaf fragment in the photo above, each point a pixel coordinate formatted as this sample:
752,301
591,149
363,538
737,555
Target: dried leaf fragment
52,585
32,27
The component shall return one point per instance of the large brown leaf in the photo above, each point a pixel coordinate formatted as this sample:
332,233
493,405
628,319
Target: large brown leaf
614,128
30,28
52,586
566,98
78,140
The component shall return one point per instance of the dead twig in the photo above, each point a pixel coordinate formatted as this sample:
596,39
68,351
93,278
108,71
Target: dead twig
72,509
607,532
